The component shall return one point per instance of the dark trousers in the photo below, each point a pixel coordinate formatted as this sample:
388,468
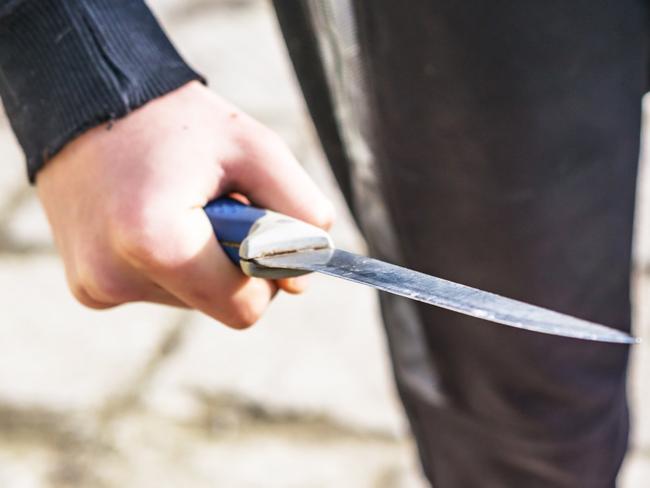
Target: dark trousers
504,138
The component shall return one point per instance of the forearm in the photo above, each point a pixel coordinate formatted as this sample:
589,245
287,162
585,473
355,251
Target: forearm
69,65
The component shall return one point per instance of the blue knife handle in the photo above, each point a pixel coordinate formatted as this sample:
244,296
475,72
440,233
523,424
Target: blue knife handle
232,221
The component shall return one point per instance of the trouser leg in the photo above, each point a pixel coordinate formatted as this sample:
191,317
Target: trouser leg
506,139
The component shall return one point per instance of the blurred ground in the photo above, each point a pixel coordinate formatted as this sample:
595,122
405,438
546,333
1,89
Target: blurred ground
148,396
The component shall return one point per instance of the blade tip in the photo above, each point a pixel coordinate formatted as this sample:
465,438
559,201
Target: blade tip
626,339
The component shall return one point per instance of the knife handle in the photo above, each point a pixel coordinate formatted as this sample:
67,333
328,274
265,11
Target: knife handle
231,222
246,233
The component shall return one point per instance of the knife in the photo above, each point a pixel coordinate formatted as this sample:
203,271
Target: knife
270,245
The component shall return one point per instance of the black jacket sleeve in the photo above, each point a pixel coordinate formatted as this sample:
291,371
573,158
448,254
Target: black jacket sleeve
68,65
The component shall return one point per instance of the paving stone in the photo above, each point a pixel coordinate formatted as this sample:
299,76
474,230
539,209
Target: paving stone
636,471
642,222
57,354
26,229
321,352
146,451
639,387
279,458
240,53
22,471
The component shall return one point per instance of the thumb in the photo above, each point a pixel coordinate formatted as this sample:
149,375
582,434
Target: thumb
268,174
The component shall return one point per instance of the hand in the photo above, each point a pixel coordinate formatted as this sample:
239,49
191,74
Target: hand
125,205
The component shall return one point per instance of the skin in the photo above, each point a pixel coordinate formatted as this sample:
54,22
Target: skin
125,205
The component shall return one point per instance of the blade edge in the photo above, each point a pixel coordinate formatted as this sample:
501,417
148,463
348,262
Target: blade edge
446,294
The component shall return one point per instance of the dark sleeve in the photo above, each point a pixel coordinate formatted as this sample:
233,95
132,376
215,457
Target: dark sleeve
68,65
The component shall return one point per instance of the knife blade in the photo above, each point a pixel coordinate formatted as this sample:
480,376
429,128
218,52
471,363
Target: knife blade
271,245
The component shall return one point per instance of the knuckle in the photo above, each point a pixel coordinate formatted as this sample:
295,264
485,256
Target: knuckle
102,286
140,249
83,297
140,240
97,281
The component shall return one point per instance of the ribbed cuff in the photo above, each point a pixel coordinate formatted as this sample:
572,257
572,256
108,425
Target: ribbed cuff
67,66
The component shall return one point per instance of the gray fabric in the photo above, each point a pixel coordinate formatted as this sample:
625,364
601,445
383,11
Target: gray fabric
334,24
499,149
335,29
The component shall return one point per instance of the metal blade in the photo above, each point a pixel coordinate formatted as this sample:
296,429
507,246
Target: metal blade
444,293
